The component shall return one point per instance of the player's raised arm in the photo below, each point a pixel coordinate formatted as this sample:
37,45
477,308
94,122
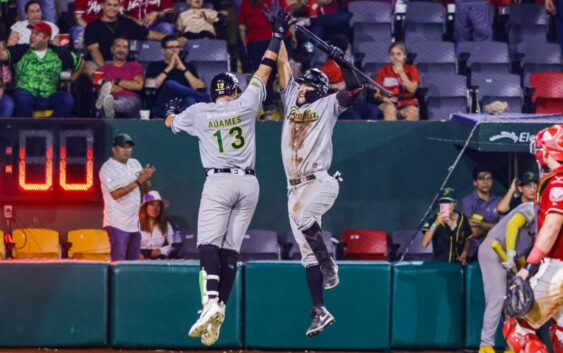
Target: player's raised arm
280,21
284,70
349,95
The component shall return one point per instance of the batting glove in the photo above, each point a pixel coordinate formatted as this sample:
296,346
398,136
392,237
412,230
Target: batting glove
509,263
278,18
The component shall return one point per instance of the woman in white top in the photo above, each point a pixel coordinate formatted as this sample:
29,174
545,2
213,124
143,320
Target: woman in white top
156,231
21,30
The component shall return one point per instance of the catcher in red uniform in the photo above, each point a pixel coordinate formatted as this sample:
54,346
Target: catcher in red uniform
535,294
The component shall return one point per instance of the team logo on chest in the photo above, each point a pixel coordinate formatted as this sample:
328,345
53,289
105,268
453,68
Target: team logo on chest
304,117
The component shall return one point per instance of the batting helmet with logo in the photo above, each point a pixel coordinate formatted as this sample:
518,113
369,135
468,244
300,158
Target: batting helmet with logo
315,78
550,140
224,84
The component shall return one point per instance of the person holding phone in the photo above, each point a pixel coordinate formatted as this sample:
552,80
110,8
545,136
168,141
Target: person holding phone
448,230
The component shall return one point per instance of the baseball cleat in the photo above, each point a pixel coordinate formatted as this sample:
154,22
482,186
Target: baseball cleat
211,334
321,319
211,312
486,349
330,274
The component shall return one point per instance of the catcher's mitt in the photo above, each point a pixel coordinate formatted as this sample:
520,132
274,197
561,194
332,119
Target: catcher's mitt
519,297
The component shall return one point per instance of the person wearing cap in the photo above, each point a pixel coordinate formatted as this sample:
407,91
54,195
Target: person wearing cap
123,182
448,230
156,231
38,66
21,30
515,233
521,190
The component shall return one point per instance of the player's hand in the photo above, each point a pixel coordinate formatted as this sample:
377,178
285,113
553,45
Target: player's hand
173,106
524,274
278,18
509,263
336,54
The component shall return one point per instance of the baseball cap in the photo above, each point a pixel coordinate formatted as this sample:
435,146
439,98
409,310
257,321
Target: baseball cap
154,195
122,139
528,178
42,27
447,194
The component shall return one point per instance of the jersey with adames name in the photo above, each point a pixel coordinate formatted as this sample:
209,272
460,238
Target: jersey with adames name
225,130
550,199
525,233
307,132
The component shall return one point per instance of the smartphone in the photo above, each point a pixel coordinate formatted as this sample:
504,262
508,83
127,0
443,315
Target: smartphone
445,210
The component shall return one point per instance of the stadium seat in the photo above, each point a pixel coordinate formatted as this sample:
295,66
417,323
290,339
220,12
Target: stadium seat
188,251
209,56
260,244
295,254
371,21
365,244
526,23
424,21
539,57
548,95
367,32
150,51
416,252
36,243
486,56
499,87
376,54
89,244
433,56
446,94
530,69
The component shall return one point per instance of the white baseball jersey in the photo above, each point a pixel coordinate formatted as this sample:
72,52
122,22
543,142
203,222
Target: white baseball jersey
122,213
307,132
524,240
225,130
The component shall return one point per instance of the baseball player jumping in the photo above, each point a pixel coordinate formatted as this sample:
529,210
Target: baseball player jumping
535,294
225,129
306,146
515,233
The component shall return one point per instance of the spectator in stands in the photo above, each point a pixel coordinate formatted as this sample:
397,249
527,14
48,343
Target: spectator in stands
85,12
38,68
100,34
555,7
401,79
156,231
256,33
47,7
473,20
360,109
124,81
174,78
448,230
197,22
480,207
526,186
21,30
123,181
150,13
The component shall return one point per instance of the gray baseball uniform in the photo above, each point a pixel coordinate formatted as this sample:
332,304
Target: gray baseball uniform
306,151
494,274
226,134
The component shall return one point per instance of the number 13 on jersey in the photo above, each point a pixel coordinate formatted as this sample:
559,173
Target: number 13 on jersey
238,135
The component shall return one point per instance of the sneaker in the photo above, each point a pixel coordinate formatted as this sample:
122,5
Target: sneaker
321,319
330,274
211,312
105,91
486,349
109,107
211,333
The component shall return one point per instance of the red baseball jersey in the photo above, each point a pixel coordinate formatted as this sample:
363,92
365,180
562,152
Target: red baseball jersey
138,9
550,198
91,10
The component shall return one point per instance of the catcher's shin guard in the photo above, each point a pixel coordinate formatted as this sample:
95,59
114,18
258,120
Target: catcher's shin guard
521,339
314,237
555,342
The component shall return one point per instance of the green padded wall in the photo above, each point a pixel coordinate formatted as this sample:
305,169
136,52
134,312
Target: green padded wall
154,303
427,306
53,304
475,307
277,307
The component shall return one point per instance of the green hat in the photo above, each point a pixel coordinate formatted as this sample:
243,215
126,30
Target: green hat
447,194
122,139
528,178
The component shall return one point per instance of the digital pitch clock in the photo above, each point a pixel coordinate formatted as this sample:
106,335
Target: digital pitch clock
53,160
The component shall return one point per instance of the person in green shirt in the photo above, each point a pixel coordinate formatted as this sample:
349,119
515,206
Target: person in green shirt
38,67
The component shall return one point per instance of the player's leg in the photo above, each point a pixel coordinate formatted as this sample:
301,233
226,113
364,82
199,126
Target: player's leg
214,213
240,217
321,317
306,206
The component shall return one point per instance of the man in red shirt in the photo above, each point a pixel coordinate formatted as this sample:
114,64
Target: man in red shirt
544,266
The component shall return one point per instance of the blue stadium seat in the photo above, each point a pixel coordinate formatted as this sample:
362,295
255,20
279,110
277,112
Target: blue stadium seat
149,51
447,94
260,244
416,252
433,56
486,56
209,56
295,254
501,87
376,54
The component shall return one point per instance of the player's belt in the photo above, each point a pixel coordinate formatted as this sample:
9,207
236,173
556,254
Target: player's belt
235,171
303,179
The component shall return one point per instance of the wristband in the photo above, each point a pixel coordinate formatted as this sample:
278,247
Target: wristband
532,268
536,255
268,62
164,72
433,227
